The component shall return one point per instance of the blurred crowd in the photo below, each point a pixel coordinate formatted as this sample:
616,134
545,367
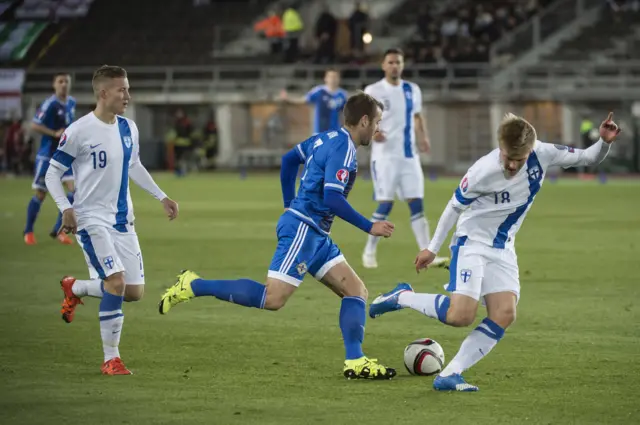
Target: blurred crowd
16,151
191,147
334,39
465,33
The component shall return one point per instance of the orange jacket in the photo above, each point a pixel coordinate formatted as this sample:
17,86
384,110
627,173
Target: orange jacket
271,26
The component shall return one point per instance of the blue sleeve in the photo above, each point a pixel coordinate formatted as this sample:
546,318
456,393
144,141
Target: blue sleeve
43,113
314,95
288,172
336,170
338,204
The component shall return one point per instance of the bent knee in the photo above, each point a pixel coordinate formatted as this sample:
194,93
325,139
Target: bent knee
277,295
504,317
461,318
275,302
115,283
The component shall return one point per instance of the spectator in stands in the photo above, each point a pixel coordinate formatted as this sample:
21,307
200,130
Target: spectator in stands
13,144
325,32
183,142
358,23
271,28
210,136
293,27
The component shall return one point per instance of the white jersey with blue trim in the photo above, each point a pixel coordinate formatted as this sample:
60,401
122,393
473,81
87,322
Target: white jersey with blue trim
401,102
100,155
495,206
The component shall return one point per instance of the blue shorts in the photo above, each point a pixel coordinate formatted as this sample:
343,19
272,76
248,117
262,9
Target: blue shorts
42,165
302,249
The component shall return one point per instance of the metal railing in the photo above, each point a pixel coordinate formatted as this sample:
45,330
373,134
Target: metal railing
529,35
473,81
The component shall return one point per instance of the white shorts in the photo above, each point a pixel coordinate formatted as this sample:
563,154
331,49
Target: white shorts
108,251
397,176
478,269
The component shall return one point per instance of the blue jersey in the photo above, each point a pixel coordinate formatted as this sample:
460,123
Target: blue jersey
54,115
328,107
330,163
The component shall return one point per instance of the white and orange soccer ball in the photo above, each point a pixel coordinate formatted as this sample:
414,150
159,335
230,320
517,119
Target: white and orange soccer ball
424,357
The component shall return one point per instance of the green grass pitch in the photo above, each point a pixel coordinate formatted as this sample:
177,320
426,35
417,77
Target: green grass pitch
572,357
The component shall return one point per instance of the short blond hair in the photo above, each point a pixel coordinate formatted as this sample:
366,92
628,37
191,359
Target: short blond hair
106,72
516,134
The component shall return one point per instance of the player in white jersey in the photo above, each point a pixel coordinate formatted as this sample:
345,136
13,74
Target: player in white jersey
103,149
489,206
395,162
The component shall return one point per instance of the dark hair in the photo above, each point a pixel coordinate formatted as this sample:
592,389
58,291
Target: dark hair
332,69
60,74
107,72
359,105
393,51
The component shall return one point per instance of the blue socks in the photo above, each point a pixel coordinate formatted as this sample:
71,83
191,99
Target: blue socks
383,211
352,320
442,304
32,213
56,227
246,292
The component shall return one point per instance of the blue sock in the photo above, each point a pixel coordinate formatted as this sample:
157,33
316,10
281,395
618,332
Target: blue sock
442,306
56,227
111,320
32,213
383,211
416,207
246,292
352,320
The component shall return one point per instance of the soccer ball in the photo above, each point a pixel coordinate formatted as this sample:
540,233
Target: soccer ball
424,357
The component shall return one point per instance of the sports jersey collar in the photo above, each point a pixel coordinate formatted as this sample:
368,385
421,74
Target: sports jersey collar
344,130
400,83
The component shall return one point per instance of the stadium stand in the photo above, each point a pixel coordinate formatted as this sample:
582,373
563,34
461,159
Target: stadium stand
142,41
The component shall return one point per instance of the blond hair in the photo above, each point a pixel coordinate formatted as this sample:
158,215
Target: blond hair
106,72
516,134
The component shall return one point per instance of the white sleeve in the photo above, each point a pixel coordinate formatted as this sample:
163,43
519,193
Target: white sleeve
53,180
142,178
566,156
447,220
67,150
468,190
138,172
417,99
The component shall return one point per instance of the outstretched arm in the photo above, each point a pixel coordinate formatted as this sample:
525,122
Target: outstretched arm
337,203
594,154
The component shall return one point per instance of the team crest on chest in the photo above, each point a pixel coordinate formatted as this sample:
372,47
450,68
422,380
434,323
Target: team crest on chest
534,173
127,141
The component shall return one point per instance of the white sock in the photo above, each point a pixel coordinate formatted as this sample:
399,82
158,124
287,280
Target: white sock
475,346
110,331
422,303
90,288
372,245
420,227
111,319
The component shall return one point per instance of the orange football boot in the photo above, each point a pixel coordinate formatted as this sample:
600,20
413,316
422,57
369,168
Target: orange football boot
70,300
30,238
64,239
115,367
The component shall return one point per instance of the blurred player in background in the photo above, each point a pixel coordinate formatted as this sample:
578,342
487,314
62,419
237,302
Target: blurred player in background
304,244
104,150
328,100
395,163
54,115
501,186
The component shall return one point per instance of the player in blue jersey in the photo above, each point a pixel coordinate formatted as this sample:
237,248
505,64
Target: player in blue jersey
328,100
52,117
304,244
